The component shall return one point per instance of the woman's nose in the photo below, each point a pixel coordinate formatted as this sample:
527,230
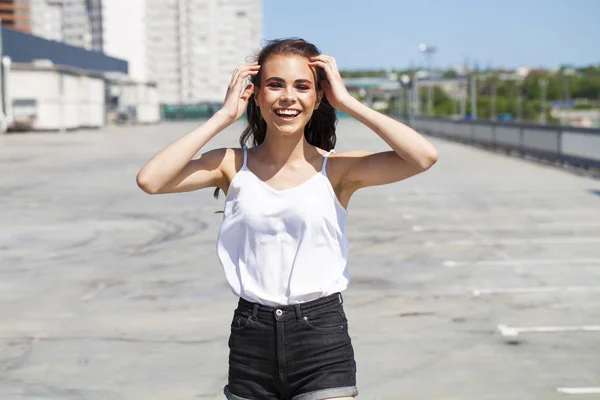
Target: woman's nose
288,96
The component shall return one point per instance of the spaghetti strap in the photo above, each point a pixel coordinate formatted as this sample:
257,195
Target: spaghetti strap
245,156
325,157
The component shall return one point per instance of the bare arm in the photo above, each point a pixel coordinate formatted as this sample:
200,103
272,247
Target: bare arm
411,153
173,169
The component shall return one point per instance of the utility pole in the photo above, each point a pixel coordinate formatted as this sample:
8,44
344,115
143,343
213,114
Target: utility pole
4,100
473,96
493,102
404,84
410,103
543,86
463,97
416,97
400,100
428,51
566,72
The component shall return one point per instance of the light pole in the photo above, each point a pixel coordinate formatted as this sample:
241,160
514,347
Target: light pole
543,86
519,106
428,51
416,97
473,82
463,97
566,72
493,101
405,84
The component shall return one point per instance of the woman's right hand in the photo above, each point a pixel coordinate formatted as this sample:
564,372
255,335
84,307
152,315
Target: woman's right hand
234,103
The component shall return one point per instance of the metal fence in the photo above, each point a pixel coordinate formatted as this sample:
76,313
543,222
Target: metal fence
565,144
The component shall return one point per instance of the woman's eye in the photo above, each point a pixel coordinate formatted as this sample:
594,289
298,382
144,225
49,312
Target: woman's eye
303,87
274,85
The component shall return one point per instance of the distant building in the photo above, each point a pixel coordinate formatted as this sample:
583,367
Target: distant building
189,47
581,118
523,71
15,14
195,45
49,85
74,22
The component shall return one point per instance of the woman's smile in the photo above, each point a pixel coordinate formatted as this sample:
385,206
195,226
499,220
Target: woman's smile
287,114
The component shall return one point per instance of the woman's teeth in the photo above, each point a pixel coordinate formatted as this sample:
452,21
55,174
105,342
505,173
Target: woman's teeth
290,113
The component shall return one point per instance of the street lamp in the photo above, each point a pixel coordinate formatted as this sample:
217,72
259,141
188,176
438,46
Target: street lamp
405,83
543,85
428,51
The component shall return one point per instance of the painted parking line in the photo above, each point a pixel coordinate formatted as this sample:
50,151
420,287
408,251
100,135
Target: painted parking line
498,227
485,241
514,331
579,390
536,289
534,262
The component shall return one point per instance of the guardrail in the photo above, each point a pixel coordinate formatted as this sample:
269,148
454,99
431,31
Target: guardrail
565,144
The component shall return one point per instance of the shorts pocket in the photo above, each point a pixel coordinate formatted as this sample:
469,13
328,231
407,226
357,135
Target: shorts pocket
240,320
332,320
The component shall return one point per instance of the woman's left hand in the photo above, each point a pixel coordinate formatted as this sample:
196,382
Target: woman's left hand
336,92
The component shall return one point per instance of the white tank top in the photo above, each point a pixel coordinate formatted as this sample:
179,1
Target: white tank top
281,247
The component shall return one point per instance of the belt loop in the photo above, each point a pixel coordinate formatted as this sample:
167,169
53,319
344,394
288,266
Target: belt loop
341,298
255,311
298,312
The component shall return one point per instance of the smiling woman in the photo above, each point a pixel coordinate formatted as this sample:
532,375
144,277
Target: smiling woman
282,242
288,98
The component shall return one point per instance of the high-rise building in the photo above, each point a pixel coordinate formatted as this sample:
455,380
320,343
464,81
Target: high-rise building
75,22
15,14
189,47
194,45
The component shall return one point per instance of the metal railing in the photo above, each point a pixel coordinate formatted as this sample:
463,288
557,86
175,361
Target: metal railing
564,144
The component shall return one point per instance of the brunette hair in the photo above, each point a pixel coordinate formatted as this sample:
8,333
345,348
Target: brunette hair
320,130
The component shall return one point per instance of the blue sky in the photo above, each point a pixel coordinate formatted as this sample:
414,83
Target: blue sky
386,33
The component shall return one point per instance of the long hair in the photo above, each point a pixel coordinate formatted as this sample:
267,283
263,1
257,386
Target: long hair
320,130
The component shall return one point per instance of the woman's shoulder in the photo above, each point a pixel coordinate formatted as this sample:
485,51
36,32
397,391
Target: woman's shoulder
350,154
340,163
224,156
345,159
232,159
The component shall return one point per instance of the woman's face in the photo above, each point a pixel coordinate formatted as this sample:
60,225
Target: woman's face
288,93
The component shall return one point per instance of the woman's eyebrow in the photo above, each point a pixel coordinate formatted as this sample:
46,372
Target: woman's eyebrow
278,79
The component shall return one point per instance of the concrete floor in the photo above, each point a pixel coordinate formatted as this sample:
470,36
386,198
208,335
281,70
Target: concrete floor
108,293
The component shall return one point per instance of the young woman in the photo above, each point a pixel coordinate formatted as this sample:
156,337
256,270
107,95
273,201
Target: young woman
282,242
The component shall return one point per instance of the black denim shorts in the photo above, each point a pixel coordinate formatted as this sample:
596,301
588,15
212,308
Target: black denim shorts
292,352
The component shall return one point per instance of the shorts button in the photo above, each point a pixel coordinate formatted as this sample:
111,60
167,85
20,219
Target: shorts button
278,312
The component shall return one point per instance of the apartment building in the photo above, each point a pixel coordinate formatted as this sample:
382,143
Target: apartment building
188,47
193,46
15,14
74,22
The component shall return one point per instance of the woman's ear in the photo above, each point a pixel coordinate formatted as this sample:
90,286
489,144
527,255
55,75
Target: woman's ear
319,98
255,96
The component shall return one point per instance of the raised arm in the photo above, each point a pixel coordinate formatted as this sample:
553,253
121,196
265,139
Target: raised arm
411,153
173,169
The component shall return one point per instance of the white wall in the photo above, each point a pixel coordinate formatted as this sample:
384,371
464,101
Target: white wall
145,99
81,105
